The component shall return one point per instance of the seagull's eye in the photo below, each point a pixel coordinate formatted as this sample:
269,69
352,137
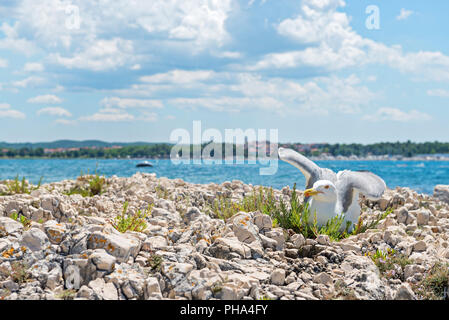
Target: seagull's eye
326,187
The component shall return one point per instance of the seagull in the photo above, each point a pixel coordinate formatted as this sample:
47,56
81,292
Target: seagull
329,194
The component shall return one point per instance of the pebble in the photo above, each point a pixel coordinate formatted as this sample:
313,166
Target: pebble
278,277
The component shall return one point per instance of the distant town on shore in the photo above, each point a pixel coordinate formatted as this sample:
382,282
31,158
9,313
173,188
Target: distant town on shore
317,151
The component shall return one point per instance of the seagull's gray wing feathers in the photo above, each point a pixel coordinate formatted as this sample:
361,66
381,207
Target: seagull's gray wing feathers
365,182
308,168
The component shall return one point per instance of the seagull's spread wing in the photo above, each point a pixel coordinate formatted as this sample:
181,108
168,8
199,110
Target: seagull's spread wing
308,168
365,182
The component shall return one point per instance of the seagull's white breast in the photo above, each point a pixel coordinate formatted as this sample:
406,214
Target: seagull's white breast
324,211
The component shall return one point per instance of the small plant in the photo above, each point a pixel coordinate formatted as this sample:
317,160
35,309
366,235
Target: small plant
360,227
182,205
216,287
259,200
435,284
18,186
22,219
131,221
343,292
19,272
155,262
297,217
95,185
4,293
224,208
390,264
162,192
68,294
333,228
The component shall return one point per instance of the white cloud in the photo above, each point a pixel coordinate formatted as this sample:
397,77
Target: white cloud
7,112
179,76
12,41
224,92
392,114
318,21
33,67
136,67
320,95
431,66
58,88
108,116
234,92
124,103
45,99
29,82
55,111
404,14
228,104
99,56
148,117
228,54
438,93
201,22
102,41
65,121
3,63
331,44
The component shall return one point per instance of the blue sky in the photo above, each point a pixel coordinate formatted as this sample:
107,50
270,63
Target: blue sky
135,71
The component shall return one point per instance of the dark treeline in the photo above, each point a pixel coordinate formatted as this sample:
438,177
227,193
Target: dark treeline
407,149
162,150
147,151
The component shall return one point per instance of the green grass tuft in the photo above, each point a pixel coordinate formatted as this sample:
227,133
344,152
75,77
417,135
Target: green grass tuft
388,262
19,272
22,219
95,185
360,227
20,186
435,284
131,221
155,262
68,294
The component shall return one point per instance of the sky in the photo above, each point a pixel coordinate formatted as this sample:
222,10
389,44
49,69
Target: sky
315,70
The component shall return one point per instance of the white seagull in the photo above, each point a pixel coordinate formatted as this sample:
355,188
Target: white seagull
330,194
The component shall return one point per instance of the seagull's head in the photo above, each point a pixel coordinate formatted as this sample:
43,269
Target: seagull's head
323,190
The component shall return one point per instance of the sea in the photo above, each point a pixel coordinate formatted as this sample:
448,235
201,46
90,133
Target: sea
421,176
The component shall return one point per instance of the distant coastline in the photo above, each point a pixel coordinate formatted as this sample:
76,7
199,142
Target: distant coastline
443,158
95,149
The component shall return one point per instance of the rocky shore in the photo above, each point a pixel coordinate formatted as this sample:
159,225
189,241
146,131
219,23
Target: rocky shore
59,246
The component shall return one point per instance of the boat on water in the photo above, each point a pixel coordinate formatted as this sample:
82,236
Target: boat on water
144,164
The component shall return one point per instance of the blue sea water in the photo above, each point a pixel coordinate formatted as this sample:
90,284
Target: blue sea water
420,176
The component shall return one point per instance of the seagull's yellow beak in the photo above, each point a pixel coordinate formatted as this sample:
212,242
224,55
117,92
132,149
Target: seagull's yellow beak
311,192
